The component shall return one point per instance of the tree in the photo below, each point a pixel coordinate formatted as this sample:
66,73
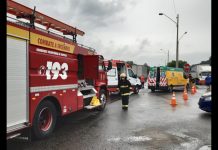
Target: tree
145,64
173,63
207,61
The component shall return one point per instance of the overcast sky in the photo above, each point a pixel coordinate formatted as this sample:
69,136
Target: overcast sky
133,30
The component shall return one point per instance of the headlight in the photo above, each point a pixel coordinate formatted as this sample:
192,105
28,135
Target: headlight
207,98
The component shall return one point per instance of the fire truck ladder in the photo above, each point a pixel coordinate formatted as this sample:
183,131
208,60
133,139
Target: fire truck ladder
92,50
21,11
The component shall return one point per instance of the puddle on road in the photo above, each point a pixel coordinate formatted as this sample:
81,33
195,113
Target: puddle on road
157,138
189,142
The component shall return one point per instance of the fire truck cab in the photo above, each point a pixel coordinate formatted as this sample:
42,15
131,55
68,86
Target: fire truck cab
48,74
113,76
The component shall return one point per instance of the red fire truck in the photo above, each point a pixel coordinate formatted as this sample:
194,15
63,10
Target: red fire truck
48,74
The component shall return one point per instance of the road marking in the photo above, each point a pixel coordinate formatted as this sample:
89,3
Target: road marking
114,139
206,147
130,139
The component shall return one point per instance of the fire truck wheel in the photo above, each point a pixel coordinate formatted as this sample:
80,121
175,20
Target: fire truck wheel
136,90
44,120
103,99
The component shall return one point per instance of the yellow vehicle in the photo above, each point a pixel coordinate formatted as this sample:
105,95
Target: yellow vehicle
166,78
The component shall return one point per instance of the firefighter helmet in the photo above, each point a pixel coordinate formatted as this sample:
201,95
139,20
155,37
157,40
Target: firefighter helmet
122,75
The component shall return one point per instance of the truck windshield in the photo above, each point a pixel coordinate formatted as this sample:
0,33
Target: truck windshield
131,73
206,73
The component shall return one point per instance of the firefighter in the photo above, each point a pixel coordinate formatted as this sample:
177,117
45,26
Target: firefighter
124,88
142,79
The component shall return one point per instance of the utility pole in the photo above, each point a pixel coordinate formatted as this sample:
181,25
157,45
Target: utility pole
177,36
177,42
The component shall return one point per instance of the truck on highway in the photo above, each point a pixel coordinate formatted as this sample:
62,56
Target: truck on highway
48,74
199,72
113,75
140,70
166,78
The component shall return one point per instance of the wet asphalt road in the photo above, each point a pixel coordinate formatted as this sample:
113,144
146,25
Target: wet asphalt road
150,123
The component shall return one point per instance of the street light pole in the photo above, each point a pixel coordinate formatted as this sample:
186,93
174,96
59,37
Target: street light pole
177,35
177,41
182,35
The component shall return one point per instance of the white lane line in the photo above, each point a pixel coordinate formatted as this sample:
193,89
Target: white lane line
206,147
138,139
130,139
114,139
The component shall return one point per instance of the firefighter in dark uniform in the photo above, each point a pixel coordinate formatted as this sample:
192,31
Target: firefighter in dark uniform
124,88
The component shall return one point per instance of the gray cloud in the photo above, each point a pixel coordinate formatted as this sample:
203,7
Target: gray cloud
96,13
133,30
143,44
138,50
83,13
100,9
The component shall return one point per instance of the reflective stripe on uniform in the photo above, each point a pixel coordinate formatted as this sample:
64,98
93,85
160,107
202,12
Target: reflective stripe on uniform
124,86
125,94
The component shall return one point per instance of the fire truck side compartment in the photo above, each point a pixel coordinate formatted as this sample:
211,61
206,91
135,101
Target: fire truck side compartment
17,83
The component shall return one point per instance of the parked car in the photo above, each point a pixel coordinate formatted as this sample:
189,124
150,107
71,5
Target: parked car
205,102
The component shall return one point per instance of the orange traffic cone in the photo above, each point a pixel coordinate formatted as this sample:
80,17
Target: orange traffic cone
185,88
185,95
193,90
173,100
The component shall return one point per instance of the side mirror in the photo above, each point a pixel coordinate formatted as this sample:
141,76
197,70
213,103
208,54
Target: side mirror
109,65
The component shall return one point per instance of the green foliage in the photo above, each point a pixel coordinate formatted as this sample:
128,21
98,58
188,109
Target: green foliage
207,61
173,63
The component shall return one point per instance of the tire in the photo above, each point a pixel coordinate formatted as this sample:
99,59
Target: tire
44,120
136,89
103,100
